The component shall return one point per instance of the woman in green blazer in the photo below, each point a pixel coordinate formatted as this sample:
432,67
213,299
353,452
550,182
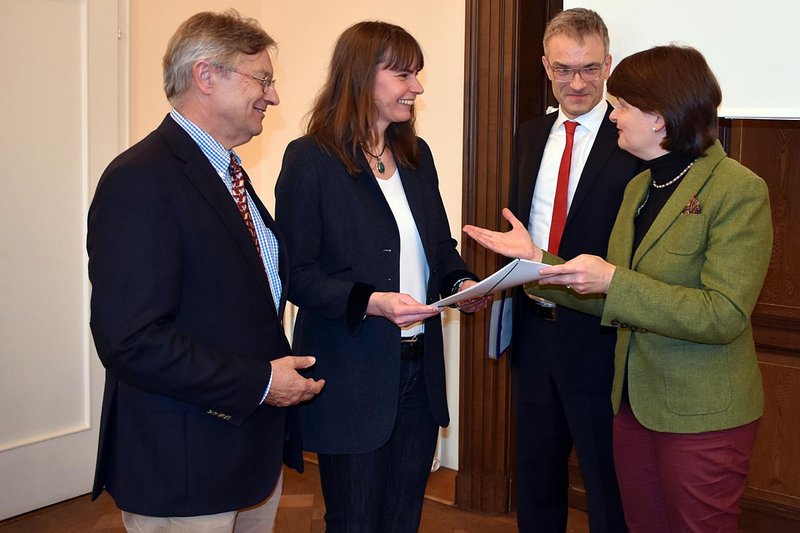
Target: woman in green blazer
686,261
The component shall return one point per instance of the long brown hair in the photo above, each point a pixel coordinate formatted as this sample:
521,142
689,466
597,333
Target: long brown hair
344,111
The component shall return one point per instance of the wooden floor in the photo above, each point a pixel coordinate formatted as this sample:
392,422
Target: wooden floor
301,510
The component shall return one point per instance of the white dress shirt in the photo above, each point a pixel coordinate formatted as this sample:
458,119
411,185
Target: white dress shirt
545,190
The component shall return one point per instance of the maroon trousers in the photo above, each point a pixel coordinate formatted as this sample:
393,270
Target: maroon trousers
681,482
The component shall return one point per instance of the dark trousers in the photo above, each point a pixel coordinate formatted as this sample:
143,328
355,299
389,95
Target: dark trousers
687,482
382,491
549,422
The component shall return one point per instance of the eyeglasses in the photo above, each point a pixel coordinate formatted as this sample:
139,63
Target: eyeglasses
567,74
266,83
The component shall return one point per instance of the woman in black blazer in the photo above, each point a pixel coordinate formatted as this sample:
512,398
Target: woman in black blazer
369,244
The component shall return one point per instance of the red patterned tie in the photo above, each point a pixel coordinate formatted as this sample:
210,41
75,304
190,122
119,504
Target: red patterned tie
559,218
240,197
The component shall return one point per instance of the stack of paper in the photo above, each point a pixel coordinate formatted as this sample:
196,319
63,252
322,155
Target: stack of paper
517,272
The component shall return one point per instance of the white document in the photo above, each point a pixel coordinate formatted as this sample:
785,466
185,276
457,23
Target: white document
517,272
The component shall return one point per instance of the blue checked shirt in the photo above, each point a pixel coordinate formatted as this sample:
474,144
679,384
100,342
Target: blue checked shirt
220,158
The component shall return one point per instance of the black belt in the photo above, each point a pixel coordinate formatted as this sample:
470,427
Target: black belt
544,309
411,347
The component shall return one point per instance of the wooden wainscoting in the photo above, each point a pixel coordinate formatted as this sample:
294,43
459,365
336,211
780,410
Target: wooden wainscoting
771,148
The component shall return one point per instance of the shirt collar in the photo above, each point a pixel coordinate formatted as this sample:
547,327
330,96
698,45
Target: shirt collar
217,155
591,120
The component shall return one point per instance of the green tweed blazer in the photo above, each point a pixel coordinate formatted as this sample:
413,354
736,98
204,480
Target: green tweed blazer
682,302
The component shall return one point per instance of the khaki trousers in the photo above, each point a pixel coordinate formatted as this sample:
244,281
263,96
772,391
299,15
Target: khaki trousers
259,518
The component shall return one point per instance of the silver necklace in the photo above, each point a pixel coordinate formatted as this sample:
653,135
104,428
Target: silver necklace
663,186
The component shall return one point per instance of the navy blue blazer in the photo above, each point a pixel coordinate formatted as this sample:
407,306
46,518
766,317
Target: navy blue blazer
185,325
553,345
343,241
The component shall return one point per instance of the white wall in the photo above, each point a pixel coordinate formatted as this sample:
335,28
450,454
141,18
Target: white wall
749,45
306,31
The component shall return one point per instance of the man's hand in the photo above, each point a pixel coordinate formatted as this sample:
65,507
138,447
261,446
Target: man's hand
515,243
288,387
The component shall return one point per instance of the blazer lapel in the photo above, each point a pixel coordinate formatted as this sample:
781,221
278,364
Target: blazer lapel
205,179
417,204
368,180
621,246
414,196
605,144
283,257
690,186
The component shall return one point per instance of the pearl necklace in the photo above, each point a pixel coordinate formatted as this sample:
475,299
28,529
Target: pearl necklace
673,180
663,185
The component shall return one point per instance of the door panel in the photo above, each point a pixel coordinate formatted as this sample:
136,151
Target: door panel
60,127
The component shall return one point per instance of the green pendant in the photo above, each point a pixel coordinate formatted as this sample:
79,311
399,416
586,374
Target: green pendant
380,166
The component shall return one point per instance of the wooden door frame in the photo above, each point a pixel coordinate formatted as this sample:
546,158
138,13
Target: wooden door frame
505,84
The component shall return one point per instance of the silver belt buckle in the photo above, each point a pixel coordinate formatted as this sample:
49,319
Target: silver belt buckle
545,309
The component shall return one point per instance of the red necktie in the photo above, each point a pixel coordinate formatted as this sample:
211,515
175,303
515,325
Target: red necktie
270,262
240,197
559,218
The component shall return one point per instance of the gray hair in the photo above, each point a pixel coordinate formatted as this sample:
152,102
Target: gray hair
577,23
218,38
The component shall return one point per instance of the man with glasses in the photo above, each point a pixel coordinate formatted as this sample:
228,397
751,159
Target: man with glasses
188,287
566,186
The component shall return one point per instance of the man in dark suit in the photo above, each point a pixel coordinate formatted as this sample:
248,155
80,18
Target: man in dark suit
563,360
188,282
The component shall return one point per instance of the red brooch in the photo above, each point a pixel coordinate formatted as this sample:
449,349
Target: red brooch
693,207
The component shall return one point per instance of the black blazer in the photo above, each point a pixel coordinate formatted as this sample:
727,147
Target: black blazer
343,241
572,357
185,325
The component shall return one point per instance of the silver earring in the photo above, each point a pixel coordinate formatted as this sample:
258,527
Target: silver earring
654,129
